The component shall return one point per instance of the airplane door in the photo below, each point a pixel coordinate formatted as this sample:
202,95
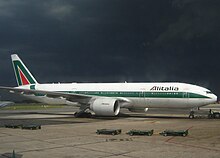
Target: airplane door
186,98
185,95
142,97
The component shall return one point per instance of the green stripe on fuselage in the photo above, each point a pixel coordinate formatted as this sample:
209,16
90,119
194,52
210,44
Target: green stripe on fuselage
140,94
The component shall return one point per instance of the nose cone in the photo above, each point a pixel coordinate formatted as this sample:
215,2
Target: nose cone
214,98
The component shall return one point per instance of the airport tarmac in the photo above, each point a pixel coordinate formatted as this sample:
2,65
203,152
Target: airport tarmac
63,136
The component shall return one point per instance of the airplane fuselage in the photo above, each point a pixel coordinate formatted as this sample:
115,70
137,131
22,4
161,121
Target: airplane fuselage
140,95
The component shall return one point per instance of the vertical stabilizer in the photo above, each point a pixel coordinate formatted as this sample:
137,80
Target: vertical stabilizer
22,74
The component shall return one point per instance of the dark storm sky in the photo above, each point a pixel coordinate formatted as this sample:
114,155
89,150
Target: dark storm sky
112,40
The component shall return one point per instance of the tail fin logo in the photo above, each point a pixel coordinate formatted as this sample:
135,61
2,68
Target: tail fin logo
23,75
24,80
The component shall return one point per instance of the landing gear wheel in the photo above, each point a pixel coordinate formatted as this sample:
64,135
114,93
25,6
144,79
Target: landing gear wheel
83,114
191,115
210,116
217,115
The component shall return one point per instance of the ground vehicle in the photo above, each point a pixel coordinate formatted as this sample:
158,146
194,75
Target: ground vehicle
109,131
175,133
140,132
31,127
13,126
213,114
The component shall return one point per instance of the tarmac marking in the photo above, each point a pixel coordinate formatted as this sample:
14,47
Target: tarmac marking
122,154
112,154
153,122
190,128
195,146
58,147
78,146
118,140
8,134
169,139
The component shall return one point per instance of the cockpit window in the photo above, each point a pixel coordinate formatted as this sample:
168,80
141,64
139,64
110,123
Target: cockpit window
208,92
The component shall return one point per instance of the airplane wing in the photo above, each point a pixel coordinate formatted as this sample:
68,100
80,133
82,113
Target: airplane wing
80,98
5,103
73,97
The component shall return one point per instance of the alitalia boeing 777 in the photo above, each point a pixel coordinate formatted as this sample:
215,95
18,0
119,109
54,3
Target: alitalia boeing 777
106,99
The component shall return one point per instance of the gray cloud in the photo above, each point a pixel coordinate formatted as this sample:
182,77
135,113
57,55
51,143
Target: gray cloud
112,41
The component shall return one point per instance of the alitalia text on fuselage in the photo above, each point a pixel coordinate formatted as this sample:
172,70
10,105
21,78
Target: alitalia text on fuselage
160,88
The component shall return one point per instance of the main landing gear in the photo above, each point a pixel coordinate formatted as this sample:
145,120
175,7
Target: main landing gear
85,113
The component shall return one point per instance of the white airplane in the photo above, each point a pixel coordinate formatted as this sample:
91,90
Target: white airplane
106,99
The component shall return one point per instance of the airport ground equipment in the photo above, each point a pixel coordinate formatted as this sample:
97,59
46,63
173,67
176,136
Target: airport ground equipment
13,126
140,132
213,115
109,131
31,127
174,133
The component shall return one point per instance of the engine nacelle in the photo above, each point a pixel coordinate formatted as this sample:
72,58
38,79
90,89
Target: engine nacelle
105,107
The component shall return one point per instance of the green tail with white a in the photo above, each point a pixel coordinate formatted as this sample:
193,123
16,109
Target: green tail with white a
22,74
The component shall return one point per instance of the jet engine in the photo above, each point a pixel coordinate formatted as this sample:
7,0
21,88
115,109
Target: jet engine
105,107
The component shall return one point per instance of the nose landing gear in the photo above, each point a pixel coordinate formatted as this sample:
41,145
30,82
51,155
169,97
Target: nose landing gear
191,115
